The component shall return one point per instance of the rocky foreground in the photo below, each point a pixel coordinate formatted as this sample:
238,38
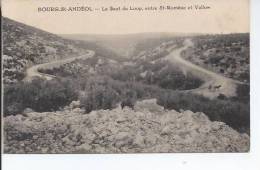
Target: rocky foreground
147,128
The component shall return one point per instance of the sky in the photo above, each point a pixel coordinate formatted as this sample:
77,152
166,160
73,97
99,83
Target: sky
224,16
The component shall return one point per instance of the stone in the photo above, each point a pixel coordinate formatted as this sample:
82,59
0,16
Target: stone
150,105
139,140
44,150
78,110
122,139
216,125
74,104
84,147
27,110
150,139
35,137
166,130
122,136
119,131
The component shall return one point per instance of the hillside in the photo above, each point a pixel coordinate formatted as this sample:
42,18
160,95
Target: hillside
227,55
147,128
24,46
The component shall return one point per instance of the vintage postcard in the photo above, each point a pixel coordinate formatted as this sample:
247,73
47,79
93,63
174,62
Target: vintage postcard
115,76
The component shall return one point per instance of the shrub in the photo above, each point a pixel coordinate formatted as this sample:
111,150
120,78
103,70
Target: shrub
104,93
222,97
243,93
233,113
38,95
99,97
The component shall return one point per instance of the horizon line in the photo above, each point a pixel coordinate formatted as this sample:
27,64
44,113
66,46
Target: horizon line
130,33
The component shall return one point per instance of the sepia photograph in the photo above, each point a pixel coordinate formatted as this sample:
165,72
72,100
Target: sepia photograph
104,78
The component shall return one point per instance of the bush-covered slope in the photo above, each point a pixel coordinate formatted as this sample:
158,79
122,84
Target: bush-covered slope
225,54
104,93
24,45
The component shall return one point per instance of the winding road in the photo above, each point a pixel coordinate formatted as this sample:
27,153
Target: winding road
33,71
215,84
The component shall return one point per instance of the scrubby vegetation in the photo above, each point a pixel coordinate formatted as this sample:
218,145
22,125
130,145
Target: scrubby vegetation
160,73
234,113
38,95
243,93
105,93
225,54
24,46
163,41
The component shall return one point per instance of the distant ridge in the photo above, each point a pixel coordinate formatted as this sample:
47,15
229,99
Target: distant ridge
125,44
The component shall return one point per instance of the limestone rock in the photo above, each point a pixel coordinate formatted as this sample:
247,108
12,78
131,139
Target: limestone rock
150,105
147,128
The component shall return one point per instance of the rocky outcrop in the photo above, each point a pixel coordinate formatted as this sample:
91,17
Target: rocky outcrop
147,128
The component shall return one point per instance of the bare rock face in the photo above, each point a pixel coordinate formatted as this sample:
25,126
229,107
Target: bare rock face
147,128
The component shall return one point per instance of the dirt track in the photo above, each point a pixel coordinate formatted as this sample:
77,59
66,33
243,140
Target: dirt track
33,71
214,85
